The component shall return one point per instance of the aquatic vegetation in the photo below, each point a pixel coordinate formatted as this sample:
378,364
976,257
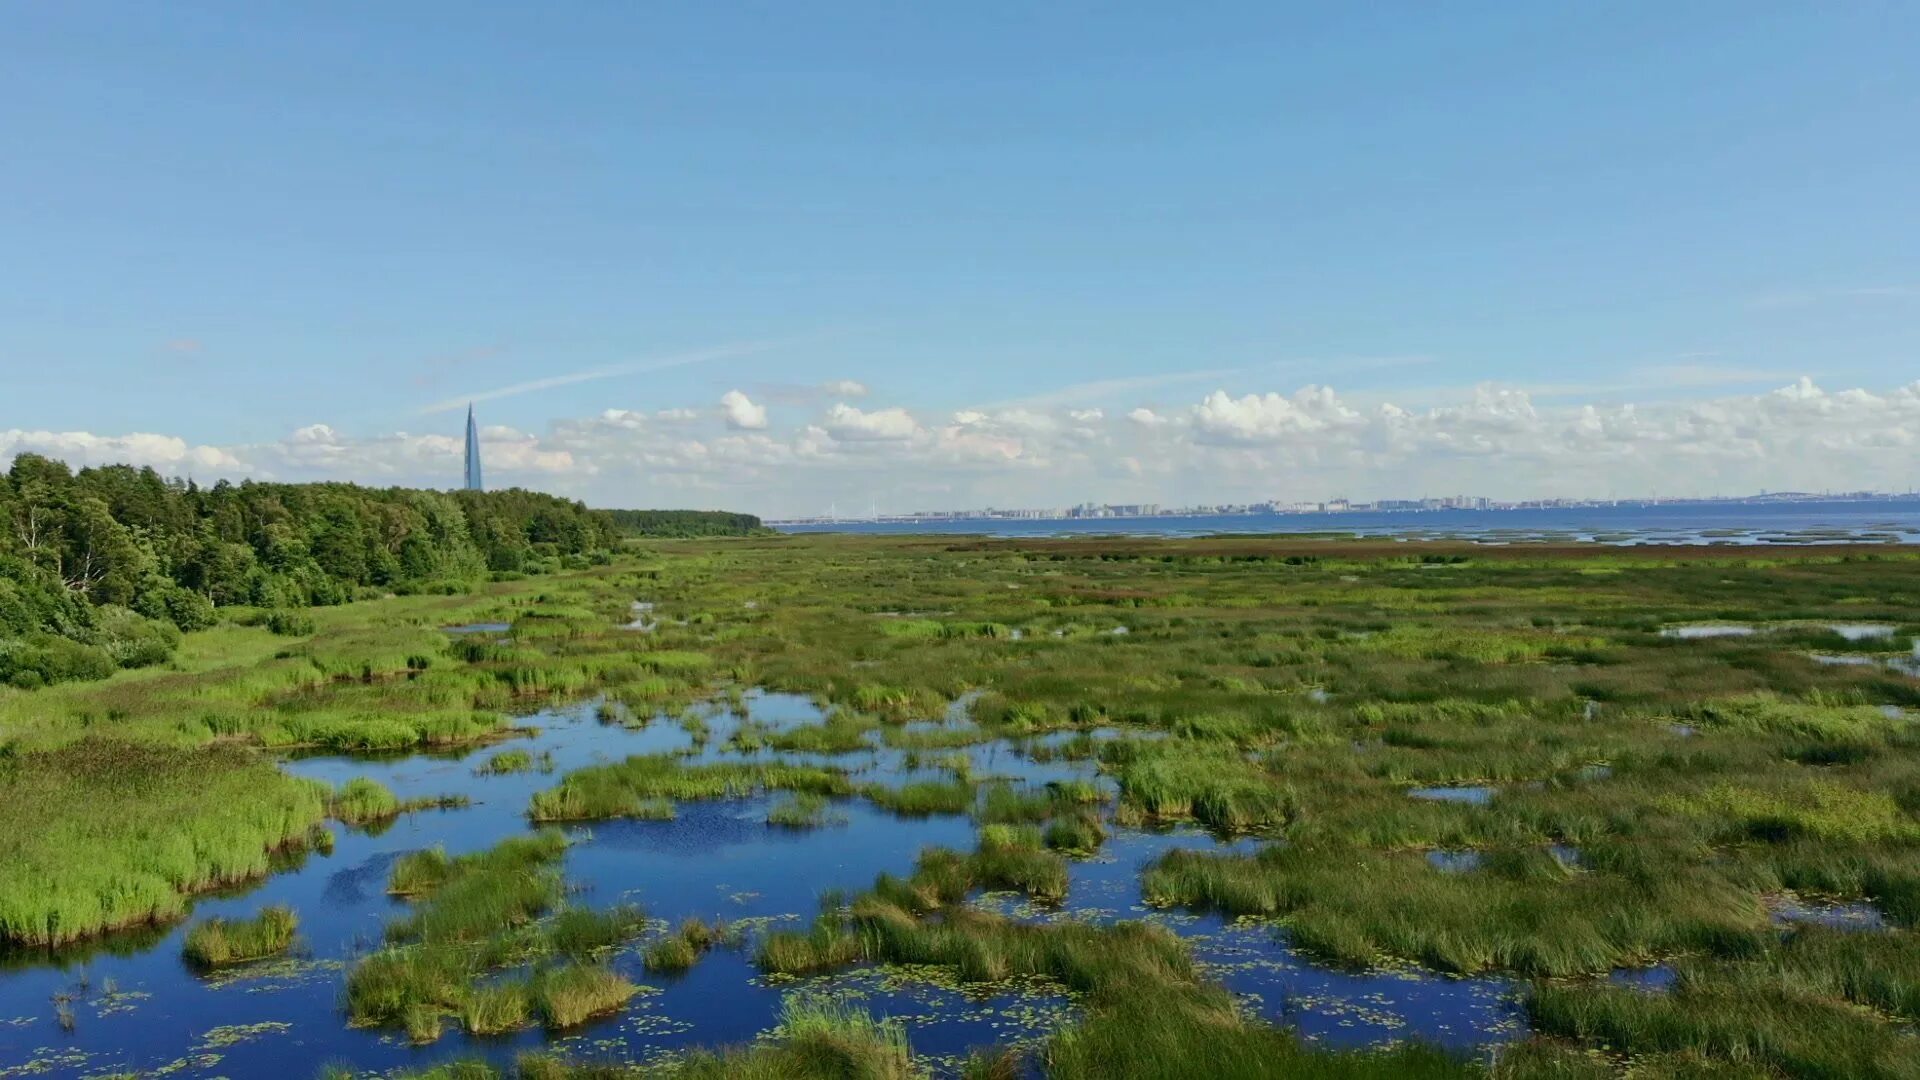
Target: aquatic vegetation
572,994
1523,911
670,956
476,913
923,797
1013,857
218,942
585,933
1079,832
817,1038
1005,803
361,802
626,788
1731,1017
803,810
509,762
1175,780
679,950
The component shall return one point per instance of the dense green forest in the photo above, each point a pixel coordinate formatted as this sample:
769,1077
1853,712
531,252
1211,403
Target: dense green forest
685,523
104,567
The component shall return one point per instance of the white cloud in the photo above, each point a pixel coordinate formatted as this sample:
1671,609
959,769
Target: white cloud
741,413
845,388
167,454
849,424
1265,418
1310,443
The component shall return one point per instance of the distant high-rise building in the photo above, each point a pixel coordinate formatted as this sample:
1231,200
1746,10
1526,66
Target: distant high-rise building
473,453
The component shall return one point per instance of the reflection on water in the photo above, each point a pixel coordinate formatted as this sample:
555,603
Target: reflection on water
142,1009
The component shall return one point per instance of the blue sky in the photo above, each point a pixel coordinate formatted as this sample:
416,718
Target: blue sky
226,224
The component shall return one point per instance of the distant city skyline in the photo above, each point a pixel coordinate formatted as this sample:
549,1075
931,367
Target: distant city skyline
1099,511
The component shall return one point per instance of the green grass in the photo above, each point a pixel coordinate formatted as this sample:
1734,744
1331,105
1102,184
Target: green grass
1521,667
103,833
219,942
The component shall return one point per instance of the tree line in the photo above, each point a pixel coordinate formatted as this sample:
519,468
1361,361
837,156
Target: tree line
685,523
103,568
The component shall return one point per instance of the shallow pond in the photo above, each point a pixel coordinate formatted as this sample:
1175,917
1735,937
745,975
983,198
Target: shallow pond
1476,794
137,1006
480,628
1836,914
1706,630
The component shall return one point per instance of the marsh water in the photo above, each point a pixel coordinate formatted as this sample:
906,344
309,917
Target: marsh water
135,1005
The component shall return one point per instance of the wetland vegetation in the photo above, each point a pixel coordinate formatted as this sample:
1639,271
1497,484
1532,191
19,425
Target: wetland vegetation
1403,767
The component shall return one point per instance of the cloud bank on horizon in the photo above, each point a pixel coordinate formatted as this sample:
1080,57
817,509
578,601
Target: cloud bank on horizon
1312,443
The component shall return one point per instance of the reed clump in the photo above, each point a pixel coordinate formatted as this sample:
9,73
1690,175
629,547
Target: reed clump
679,950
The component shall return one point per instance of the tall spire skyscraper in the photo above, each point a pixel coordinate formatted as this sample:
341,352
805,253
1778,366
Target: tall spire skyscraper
473,453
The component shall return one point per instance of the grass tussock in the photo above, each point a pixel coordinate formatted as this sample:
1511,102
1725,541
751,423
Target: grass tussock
220,942
678,951
474,916
803,810
628,788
